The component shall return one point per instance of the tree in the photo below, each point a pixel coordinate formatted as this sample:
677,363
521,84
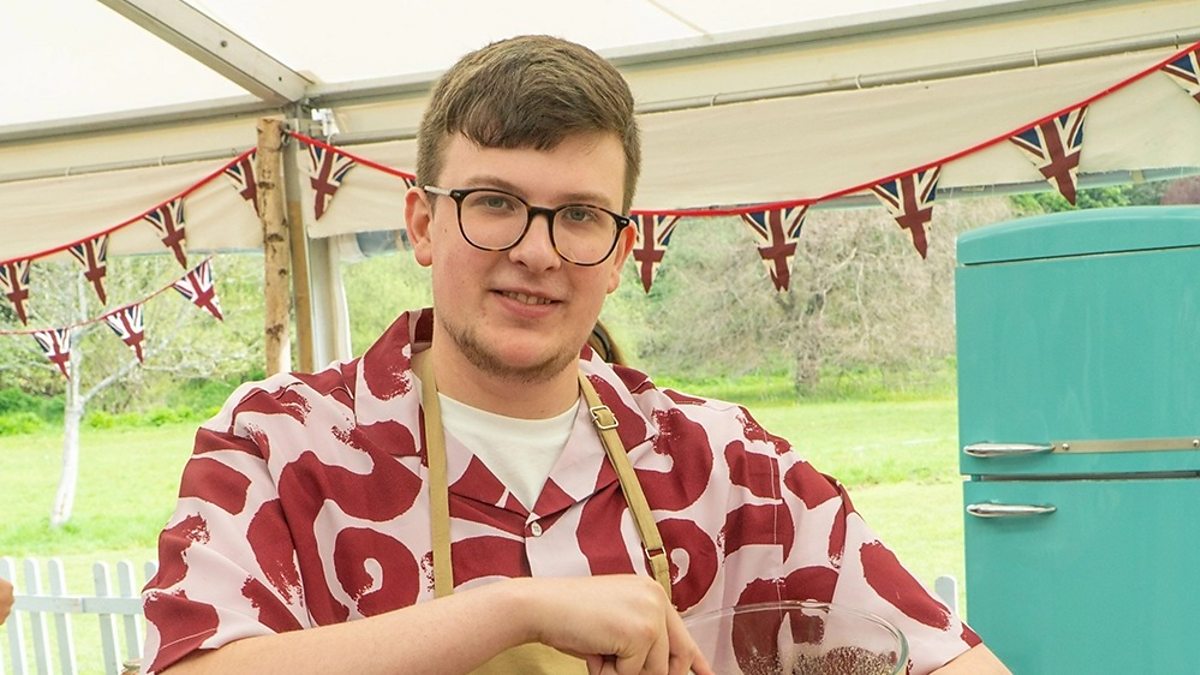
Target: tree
1133,194
860,296
181,341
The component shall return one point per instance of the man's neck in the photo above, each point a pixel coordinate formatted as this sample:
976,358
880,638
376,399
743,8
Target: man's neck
462,381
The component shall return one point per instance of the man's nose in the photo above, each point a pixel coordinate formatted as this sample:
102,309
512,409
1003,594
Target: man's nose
536,249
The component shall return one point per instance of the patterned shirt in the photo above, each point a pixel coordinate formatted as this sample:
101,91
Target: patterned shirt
306,503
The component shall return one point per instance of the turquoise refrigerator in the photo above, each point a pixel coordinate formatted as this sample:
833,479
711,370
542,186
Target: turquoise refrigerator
1079,425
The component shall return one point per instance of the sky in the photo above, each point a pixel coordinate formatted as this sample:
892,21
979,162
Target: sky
69,58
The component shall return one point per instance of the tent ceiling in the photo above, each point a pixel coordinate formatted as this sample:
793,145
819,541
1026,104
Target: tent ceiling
124,67
784,111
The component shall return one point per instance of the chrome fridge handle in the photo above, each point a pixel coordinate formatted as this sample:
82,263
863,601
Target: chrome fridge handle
1009,510
1005,449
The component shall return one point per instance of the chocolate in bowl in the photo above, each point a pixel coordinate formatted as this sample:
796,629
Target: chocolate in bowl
798,638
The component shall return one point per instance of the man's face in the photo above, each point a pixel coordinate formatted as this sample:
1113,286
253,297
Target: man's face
523,313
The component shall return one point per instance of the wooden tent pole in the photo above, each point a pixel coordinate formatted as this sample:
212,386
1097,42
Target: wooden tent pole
276,252
302,299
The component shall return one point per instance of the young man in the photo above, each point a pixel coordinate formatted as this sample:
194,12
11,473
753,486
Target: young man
480,491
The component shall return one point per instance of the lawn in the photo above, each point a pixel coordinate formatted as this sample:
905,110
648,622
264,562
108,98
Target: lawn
897,459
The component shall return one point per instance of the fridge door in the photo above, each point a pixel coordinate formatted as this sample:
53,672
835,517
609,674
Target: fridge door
1097,577
1083,359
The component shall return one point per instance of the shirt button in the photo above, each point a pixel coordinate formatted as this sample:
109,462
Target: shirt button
535,529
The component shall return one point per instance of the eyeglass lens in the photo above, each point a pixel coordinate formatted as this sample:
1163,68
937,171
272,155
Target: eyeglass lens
495,220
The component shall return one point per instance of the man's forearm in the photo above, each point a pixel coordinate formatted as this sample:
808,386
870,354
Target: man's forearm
452,635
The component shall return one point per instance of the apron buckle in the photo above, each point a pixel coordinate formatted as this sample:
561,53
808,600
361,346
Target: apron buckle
603,418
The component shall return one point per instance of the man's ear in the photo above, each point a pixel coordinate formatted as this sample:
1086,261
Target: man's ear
418,219
624,246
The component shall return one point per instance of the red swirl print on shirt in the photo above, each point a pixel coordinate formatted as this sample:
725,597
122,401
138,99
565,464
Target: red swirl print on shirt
172,544
684,539
893,583
218,483
377,571
304,487
179,632
686,443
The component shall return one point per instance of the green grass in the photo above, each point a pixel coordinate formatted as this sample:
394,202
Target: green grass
897,458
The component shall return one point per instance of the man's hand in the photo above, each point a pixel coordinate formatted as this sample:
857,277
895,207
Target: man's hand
620,624
6,599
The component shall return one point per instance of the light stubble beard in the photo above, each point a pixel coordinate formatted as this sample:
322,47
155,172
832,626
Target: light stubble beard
483,357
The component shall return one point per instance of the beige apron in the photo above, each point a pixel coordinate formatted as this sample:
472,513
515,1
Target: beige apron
533,657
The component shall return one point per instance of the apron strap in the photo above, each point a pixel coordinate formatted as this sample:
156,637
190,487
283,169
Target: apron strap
606,425
439,494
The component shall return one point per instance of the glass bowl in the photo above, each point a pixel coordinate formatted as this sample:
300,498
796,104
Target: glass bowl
798,637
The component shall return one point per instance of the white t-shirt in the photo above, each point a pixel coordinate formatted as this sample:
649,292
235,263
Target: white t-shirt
519,452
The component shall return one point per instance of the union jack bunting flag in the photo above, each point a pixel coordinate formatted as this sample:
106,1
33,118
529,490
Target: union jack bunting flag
168,220
127,324
910,201
93,255
56,345
328,170
653,235
14,280
780,229
1185,71
197,286
241,174
1054,147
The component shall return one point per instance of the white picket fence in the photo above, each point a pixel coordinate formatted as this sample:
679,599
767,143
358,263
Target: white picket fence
32,646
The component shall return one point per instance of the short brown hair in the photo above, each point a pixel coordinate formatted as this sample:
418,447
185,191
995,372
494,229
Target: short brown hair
529,91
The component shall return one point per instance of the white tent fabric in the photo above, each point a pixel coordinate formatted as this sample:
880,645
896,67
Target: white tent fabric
953,87
819,145
37,218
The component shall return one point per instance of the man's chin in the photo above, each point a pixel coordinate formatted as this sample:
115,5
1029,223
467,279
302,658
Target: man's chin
518,364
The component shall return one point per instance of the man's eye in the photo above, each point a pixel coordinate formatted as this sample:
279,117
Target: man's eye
579,214
498,202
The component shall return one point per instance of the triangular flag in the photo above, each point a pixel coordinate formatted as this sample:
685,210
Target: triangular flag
1185,71
327,171
653,234
127,324
168,220
14,280
56,345
93,255
1054,147
197,286
780,229
241,174
910,201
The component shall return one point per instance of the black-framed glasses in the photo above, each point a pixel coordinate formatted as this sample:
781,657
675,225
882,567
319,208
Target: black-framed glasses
495,220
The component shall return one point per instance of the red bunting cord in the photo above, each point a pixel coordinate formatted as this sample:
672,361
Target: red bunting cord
752,208
195,186
101,318
410,177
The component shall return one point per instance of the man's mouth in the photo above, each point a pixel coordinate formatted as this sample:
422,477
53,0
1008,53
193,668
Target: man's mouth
526,299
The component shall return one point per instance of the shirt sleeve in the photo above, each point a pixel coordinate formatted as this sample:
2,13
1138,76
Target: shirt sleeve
866,574
227,564
829,554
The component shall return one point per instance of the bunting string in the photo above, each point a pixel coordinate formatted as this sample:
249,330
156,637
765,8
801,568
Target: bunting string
126,321
136,219
206,264
1053,143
